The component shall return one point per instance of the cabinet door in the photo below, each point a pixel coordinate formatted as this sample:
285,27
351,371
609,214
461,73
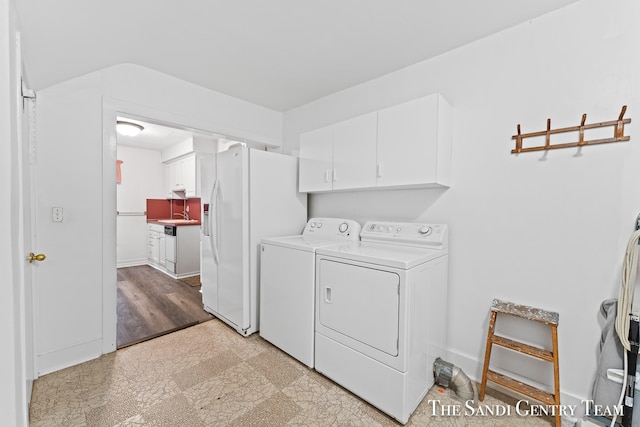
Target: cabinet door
354,152
189,171
180,175
316,160
161,249
408,143
170,177
154,247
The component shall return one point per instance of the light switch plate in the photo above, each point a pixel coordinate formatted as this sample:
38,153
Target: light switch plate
56,214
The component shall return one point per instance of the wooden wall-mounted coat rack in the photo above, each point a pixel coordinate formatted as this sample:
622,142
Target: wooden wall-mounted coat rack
618,134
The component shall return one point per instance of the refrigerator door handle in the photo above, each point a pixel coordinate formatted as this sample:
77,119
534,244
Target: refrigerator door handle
213,220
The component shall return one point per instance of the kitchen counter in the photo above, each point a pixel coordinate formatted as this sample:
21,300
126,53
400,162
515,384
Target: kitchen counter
173,246
176,222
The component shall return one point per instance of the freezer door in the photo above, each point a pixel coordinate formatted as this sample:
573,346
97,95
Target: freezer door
231,211
208,266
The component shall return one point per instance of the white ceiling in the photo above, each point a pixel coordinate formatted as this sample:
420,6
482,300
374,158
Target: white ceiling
276,53
154,136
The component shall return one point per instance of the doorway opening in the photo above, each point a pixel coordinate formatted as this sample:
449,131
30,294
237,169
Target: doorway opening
158,289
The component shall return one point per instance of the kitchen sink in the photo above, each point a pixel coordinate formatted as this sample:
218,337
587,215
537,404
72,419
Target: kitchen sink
178,221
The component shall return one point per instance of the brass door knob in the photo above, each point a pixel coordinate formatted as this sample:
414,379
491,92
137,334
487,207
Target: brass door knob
34,257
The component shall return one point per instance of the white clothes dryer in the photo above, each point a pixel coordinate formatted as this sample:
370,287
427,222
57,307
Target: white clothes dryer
287,284
381,313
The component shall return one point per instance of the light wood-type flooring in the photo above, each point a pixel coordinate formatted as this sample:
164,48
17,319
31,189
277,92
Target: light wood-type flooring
151,304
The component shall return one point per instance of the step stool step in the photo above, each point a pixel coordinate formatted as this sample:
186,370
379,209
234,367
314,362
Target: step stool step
524,311
519,386
530,350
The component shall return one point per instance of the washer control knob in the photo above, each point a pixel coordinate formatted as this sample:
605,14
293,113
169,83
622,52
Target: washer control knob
343,227
425,230
319,225
313,225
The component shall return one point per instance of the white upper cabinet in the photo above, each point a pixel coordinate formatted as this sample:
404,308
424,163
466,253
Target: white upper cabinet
354,152
181,177
316,160
339,157
414,143
404,146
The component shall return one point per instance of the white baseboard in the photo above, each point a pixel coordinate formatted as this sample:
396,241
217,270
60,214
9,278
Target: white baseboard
473,368
57,360
131,262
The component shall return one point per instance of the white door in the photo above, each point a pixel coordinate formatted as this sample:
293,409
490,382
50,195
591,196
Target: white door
360,303
316,160
231,213
69,292
354,152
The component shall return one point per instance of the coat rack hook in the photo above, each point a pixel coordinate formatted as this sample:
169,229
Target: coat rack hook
547,143
618,131
581,130
624,110
518,141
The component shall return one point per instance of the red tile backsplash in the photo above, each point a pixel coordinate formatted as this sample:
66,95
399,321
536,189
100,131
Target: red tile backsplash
163,208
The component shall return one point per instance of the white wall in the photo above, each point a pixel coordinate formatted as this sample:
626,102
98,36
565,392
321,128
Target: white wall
542,230
164,97
77,170
143,178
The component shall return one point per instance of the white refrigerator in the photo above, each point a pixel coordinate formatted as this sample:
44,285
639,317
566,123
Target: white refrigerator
247,195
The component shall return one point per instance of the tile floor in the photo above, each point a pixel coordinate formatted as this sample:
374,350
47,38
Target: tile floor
208,375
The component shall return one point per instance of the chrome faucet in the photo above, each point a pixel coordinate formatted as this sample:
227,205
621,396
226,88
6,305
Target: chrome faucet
183,215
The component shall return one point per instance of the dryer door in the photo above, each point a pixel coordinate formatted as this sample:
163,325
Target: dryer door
360,303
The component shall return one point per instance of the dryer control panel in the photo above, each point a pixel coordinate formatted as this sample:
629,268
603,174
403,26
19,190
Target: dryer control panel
410,233
346,228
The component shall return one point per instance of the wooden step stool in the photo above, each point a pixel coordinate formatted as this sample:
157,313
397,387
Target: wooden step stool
547,317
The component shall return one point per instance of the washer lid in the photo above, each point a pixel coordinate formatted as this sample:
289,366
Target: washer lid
398,256
303,243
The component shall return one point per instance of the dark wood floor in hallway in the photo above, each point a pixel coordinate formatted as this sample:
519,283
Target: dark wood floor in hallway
151,304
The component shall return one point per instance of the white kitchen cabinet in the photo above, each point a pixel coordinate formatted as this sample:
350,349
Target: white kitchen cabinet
414,144
162,249
178,255
316,160
341,156
170,177
354,153
154,234
404,146
180,177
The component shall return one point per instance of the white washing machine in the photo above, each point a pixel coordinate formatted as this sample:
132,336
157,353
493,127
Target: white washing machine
381,313
287,284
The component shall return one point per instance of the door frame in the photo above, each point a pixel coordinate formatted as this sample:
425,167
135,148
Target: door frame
111,108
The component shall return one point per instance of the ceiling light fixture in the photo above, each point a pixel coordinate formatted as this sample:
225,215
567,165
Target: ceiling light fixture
128,128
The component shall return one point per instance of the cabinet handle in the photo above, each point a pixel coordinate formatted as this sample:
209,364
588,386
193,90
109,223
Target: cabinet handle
335,175
379,170
326,175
